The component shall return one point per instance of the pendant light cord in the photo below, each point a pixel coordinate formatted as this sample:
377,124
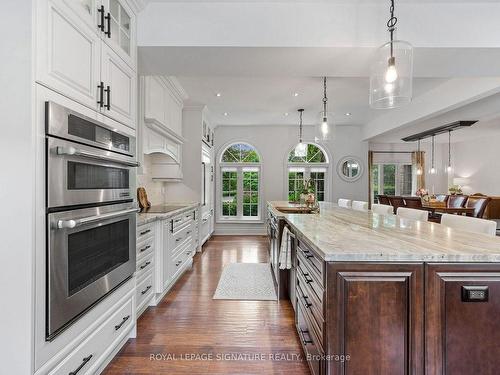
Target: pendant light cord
432,152
325,99
391,25
300,125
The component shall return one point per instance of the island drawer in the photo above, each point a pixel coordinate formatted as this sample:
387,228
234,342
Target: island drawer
310,342
313,260
145,231
145,247
144,265
312,306
311,282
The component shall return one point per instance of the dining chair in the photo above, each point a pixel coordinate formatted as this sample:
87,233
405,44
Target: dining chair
479,203
469,224
345,203
456,201
396,202
413,202
382,209
383,199
442,197
360,206
412,214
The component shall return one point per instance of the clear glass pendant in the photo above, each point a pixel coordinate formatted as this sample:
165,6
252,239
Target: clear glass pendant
301,150
325,129
391,76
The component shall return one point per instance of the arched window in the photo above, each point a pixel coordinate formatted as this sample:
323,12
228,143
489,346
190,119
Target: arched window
313,166
240,187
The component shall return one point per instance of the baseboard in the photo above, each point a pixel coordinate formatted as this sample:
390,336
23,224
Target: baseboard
244,229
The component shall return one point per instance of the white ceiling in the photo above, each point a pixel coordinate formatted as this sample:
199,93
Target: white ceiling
265,100
326,1
485,111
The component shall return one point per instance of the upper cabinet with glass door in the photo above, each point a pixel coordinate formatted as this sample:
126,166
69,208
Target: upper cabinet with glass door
119,29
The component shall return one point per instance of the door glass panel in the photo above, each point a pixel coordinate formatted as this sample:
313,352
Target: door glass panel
124,21
250,193
114,9
389,179
375,182
93,253
82,176
229,193
319,185
405,179
295,185
120,25
125,42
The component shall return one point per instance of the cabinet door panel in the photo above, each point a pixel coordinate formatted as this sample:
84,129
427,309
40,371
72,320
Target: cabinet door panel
377,318
154,93
122,81
68,53
120,29
462,335
87,10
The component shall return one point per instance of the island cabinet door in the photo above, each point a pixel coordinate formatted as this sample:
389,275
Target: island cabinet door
462,319
375,319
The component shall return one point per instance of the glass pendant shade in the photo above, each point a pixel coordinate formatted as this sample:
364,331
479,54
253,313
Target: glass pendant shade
325,129
391,76
301,150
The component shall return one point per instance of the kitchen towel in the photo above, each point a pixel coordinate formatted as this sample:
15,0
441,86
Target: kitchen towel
285,250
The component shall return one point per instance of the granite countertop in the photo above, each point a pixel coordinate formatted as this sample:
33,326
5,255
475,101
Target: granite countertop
144,218
281,215
344,235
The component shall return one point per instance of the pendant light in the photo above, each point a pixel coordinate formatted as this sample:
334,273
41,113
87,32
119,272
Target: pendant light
448,168
391,76
433,167
325,127
419,161
301,148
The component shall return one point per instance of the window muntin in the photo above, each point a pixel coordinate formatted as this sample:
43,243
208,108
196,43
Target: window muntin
313,166
229,192
250,192
392,179
240,153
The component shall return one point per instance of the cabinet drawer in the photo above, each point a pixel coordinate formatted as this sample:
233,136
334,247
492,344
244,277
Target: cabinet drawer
313,286
181,237
144,290
310,343
145,247
144,265
86,356
144,232
312,306
313,260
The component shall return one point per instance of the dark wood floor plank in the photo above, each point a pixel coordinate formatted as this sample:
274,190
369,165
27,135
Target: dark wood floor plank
189,322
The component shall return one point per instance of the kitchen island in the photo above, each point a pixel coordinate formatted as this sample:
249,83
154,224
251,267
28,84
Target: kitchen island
383,295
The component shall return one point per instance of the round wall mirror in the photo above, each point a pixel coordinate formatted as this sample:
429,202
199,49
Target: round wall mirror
350,168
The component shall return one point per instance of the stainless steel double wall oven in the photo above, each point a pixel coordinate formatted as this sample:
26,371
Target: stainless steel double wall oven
91,213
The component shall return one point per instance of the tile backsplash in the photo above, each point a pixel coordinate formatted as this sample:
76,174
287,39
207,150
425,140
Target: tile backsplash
154,189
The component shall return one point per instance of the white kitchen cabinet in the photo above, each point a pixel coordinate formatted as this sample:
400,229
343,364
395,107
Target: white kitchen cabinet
163,103
73,59
119,91
119,30
68,52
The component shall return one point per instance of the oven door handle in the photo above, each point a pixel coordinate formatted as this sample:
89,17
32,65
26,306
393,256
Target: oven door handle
70,224
74,151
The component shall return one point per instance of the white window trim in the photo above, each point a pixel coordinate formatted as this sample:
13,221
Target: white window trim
307,167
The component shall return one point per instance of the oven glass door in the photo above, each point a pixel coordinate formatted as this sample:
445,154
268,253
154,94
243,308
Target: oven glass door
91,251
79,174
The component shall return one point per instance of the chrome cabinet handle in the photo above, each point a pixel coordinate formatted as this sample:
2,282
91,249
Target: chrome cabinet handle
145,248
146,290
177,220
307,278
107,90
117,327
100,87
84,362
145,232
306,304
70,224
101,11
72,151
145,265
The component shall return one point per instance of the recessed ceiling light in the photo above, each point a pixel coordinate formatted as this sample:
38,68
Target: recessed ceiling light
295,94
218,95
226,114
286,113
348,113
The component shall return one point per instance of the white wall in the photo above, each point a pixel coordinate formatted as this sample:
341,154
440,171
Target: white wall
477,161
274,143
17,187
155,189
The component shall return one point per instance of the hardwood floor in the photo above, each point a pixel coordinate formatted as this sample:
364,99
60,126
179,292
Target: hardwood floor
258,336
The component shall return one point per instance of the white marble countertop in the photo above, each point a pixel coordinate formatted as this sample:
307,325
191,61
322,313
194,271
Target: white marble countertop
144,218
344,235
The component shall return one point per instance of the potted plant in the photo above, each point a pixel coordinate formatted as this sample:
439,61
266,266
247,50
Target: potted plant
455,190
